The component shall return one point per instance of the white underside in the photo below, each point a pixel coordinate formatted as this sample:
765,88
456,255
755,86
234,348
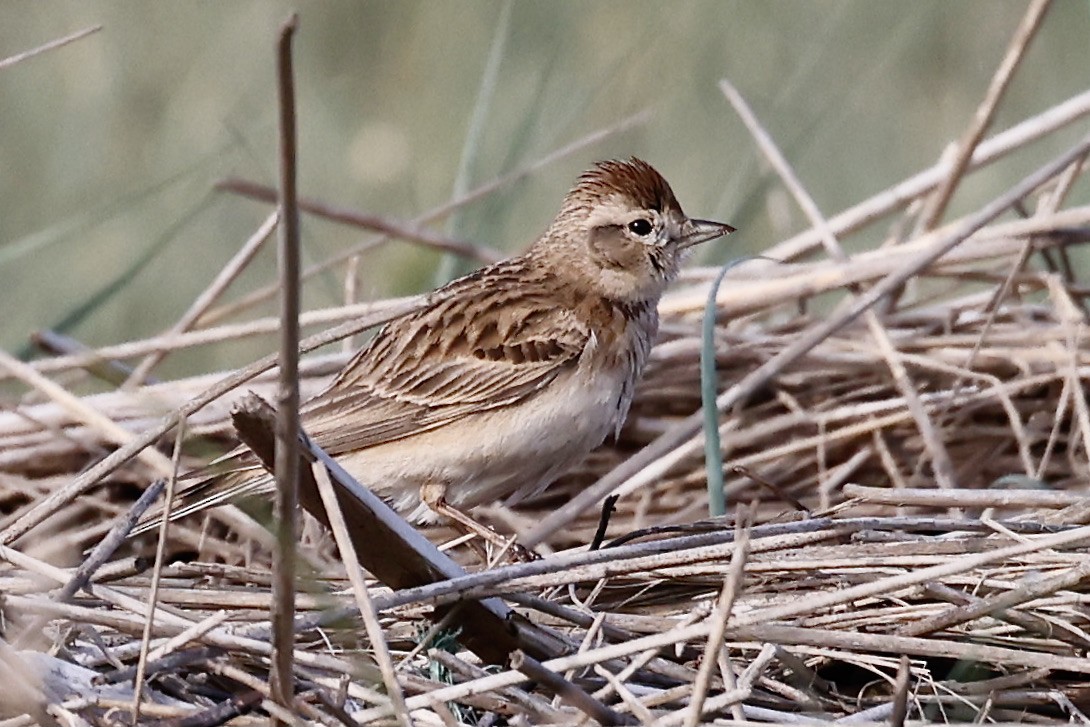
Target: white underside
513,452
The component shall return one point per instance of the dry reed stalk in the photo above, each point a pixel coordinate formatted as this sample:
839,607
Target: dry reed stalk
46,47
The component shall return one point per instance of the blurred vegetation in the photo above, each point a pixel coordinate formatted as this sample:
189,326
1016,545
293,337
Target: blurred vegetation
110,147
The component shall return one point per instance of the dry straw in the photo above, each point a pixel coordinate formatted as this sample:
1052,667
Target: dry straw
917,476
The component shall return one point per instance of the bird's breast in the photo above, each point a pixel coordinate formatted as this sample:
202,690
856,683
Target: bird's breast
618,348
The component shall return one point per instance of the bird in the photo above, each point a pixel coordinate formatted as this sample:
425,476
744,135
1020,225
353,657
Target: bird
506,377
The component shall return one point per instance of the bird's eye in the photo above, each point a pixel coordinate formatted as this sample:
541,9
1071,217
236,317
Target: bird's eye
640,227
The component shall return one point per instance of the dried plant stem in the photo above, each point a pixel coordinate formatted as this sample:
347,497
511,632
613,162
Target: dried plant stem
371,222
893,583
387,227
982,119
359,317
900,694
720,614
287,400
156,575
964,498
1011,599
51,45
359,590
193,633
564,689
885,643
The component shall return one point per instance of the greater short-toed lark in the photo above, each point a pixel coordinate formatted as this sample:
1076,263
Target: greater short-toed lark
509,375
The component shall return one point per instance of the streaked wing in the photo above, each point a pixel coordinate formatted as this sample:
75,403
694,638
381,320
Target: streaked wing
479,346
483,343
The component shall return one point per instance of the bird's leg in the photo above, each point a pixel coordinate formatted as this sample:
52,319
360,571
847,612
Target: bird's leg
434,495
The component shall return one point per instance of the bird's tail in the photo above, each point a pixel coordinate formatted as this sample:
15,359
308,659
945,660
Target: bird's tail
229,478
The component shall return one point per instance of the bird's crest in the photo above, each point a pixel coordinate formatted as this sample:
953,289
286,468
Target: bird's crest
635,179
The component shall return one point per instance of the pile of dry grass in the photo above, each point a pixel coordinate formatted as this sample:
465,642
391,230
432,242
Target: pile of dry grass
909,478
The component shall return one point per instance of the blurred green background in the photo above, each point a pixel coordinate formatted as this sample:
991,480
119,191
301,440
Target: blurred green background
109,148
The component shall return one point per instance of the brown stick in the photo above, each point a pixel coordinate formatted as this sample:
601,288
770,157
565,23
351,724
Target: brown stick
566,690
922,497
375,223
287,430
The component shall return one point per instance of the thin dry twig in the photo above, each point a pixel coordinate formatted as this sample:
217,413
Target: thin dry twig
1035,499
156,576
564,689
982,119
720,614
46,47
437,213
359,590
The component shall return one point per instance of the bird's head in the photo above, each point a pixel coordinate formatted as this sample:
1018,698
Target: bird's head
622,230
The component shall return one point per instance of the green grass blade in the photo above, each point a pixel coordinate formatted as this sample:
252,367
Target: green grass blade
709,383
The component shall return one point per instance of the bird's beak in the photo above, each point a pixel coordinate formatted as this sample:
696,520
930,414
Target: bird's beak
694,232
